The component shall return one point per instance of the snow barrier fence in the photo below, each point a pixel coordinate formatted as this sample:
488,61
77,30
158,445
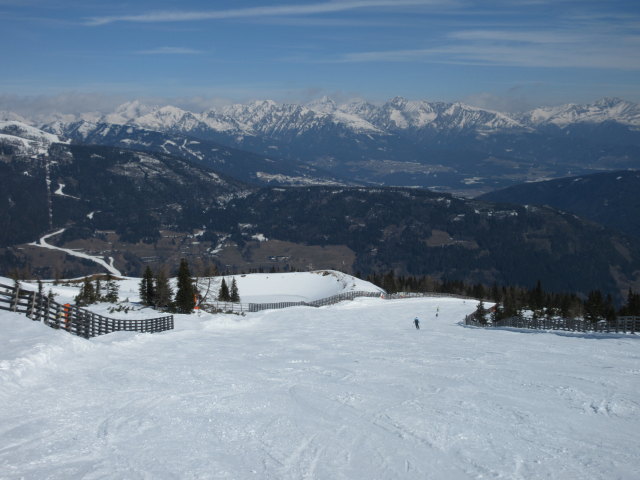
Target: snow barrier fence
624,324
76,320
256,307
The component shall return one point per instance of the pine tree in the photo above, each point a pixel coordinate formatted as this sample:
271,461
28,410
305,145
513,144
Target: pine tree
142,289
632,306
86,296
234,295
480,313
594,306
223,293
496,295
163,290
98,291
389,282
478,291
112,290
536,297
185,296
147,288
608,310
633,303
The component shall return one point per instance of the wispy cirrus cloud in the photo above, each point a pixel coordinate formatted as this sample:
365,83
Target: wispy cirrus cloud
169,51
270,11
533,48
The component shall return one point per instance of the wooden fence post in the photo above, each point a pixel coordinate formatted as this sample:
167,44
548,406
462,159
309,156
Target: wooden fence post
32,306
46,305
15,301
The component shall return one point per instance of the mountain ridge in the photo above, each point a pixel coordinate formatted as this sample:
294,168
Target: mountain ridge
416,113
443,146
609,198
148,207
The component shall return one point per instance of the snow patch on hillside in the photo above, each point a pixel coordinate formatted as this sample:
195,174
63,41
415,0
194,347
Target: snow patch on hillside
27,140
293,180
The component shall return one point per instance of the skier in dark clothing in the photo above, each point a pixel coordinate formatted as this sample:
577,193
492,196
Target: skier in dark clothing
416,322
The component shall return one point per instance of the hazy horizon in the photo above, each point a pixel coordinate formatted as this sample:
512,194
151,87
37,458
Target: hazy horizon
498,55
73,104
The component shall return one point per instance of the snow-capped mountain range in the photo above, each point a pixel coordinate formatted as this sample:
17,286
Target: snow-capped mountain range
139,183
29,140
447,146
268,118
604,110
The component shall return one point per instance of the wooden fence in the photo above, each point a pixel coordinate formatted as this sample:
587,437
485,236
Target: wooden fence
75,320
619,325
256,307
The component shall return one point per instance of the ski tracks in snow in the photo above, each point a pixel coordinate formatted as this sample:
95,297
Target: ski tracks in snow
342,392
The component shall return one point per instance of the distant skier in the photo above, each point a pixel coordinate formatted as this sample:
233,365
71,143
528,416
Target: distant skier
416,322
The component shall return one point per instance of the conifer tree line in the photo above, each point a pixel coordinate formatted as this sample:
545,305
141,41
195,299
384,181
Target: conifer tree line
96,291
513,300
226,294
155,290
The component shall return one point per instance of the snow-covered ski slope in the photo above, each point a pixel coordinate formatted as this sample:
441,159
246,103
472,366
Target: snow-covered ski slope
350,391
255,287
291,286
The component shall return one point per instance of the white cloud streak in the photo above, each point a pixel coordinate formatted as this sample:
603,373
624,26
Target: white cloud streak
521,49
169,51
270,11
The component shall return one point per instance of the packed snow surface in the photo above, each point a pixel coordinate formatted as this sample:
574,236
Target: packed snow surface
294,286
253,288
351,391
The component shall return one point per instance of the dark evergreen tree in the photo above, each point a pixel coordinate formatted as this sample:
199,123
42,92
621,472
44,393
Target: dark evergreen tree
632,307
98,290
633,303
594,306
510,304
565,306
223,293
480,313
496,295
389,282
185,294
234,295
536,297
163,292
147,288
112,290
478,291
608,310
87,294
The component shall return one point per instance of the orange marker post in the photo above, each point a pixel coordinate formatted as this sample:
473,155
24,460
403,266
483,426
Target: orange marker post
67,309
196,304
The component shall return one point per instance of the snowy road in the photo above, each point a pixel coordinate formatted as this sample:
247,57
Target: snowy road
107,266
351,391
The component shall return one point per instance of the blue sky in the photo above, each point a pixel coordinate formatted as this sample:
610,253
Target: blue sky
506,55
